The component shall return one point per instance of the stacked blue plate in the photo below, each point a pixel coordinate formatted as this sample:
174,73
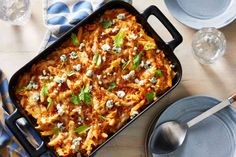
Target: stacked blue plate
213,137
203,13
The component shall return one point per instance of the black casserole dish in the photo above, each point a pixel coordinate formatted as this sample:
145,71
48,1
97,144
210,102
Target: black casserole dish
142,19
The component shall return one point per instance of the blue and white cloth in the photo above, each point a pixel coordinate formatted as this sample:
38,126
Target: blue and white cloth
59,17
62,15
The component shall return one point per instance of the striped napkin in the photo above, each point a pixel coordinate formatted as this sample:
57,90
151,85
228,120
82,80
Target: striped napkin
59,17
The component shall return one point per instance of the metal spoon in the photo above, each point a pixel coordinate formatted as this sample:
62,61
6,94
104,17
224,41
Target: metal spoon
170,135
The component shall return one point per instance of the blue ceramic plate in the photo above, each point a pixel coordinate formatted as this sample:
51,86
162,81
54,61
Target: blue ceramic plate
213,137
203,13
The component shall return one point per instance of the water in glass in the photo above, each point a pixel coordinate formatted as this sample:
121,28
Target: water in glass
16,12
208,45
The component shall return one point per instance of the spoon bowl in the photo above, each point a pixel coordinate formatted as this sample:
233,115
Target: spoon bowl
168,137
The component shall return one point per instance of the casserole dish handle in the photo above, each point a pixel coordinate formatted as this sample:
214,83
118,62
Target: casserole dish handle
11,124
177,38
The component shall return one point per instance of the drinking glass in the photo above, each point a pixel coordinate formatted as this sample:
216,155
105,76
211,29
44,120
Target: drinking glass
208,45
16,12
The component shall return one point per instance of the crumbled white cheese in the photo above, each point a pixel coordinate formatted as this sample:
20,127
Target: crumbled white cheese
116,49
139,82
109,103
172,66
75,143
121,16
115,29
106,47
104,58
120,94
113,21
81,46
59,80
89,73
63,58
99,76
127,76
158,51
135,49
35,96
123,61
60,126
43,77
60,109
73,55
99,82
77,67
33,85
133,36
103,34
114,73
153,80
56,91
99,124
44,73
135,113
109,74
142,64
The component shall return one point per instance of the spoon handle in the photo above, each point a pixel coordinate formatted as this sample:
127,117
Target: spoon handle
212,110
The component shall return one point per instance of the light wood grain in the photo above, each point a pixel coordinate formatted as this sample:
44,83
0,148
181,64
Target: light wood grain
20,44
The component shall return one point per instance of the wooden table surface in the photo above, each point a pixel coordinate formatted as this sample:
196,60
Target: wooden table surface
18,45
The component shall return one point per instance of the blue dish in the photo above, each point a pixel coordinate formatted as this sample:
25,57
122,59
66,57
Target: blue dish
213,137
203,13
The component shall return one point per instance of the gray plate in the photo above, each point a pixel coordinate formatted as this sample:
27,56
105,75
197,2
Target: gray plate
203,13
213,137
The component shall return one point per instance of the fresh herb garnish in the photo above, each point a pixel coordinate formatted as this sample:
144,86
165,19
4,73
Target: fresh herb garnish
158,72
137,60
107,24
149,46
70,73
44,90
97,59
150,96
75,40
50,102
82,129
75,99
56,130
111,86
24,88
102,118
125,64
119,38
85,95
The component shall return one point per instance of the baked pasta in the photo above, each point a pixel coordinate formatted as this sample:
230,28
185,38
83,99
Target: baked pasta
96,81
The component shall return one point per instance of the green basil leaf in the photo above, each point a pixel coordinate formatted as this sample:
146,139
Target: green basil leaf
74,99
150,96
85,95
137,60
107,24
75,40
44,90
82,129
111,86
70,73
24,88
158,72
97,59
56,130
102,118
119,38
50,102
125,64
149,46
